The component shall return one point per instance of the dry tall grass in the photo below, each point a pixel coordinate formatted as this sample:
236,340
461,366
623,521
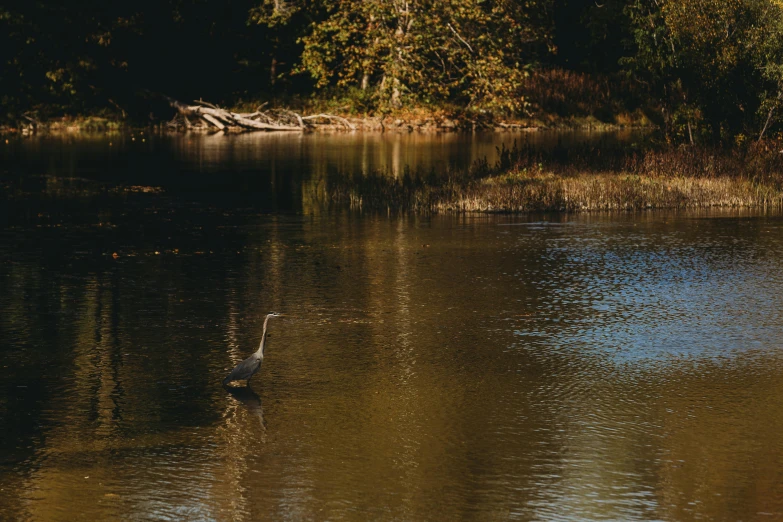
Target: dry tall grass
545,191
523,182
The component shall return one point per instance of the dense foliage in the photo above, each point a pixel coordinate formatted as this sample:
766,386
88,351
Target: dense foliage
707,70
474,53
715,65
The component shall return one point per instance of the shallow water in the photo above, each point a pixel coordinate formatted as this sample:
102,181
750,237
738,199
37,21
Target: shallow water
623,366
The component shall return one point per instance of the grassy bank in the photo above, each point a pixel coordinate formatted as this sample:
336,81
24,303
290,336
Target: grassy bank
69,124
552,99
421,119
582,180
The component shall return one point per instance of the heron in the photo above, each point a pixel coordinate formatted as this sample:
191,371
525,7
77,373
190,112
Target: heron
247,368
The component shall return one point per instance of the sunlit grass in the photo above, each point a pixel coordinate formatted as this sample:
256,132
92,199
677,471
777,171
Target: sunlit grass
522,182
523,191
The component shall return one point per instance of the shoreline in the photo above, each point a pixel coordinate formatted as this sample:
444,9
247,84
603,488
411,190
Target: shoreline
432,122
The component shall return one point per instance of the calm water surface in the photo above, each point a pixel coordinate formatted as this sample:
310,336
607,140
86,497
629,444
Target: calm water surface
623,366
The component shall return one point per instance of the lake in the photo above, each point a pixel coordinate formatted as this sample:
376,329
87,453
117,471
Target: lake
430,367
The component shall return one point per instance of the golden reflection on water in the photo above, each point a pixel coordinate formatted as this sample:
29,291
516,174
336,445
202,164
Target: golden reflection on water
430,368
343,152
390,393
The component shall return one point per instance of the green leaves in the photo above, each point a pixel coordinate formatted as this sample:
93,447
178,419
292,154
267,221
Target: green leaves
457,50
714,63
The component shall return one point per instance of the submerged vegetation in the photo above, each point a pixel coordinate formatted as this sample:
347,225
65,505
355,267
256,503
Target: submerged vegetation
581,179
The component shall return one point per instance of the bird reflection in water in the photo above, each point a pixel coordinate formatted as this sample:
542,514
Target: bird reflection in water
252,403
238,435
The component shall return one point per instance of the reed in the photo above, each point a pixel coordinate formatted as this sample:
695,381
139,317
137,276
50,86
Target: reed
525,181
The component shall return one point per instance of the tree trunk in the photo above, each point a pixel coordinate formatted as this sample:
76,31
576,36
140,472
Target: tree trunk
769,117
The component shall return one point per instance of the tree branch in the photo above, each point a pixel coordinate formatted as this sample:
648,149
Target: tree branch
460,38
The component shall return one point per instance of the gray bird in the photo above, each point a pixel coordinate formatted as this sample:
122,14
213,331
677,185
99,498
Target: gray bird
247,368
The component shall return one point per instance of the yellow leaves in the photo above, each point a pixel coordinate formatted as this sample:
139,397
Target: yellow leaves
55,75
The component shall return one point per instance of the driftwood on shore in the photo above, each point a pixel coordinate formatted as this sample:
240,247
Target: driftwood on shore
206,116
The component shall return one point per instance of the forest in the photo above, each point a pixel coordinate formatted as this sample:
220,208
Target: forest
703,71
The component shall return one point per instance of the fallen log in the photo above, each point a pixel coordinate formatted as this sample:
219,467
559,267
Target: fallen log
207,116
331,117
214,121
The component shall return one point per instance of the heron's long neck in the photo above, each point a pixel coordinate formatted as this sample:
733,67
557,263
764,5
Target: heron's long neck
260,352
